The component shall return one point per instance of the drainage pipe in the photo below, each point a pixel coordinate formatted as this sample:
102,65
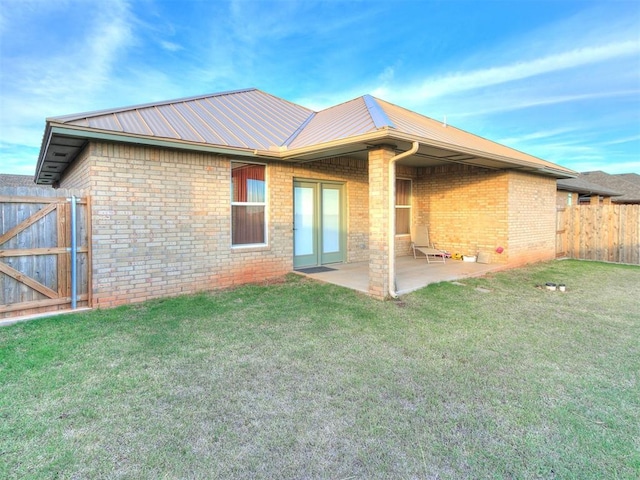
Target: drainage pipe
392,216
74,256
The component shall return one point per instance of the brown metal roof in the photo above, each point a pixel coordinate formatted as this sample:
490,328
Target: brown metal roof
342,121
437,131
254,123
245,119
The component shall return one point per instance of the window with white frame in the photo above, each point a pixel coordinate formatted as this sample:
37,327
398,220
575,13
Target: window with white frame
248,204
403,206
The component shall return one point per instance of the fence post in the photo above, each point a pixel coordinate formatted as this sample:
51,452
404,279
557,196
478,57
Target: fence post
74,256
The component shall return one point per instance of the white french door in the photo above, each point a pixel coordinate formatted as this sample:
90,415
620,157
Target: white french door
318,223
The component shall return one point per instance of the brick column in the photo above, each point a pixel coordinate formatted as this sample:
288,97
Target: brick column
379,221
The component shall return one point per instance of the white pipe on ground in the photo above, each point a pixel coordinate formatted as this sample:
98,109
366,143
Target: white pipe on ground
392,216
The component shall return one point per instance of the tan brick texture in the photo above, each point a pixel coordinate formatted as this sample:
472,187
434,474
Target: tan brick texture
161,218
470,210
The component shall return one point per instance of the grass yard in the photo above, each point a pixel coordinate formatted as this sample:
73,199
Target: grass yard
491,379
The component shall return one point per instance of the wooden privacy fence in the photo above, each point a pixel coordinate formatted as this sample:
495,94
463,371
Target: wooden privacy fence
607,233
36,269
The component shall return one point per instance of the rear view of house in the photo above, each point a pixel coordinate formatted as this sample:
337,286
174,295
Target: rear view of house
224,189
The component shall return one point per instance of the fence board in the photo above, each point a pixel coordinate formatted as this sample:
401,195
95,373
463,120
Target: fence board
35,258
608,233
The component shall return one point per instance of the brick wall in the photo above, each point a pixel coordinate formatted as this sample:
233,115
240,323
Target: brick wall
565,198
465,208
161,225
77,175
379,221
161,220
532,218
470,210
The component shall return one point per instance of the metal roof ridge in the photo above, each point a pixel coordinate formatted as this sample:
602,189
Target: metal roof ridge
377,113
77,116
298,131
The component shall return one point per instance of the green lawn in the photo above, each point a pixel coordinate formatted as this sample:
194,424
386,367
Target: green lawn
491,379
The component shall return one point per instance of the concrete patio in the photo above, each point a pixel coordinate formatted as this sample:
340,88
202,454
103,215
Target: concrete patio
411,274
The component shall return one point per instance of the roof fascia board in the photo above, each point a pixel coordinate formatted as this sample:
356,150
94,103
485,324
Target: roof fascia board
154,142
46,141
387,134
378,115
560,172
565,172
322,147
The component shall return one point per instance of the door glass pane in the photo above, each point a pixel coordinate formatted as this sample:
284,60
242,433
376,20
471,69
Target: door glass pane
330,220
303,220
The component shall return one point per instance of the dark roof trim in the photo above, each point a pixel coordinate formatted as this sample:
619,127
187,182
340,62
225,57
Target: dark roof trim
584,187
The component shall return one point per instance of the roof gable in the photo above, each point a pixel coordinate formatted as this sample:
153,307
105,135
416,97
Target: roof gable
348,119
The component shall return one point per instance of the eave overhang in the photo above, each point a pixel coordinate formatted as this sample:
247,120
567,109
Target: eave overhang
431,152
63,143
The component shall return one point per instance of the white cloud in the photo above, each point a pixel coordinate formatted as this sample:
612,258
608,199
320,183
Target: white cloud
63,73
170,46
109,54
536,135
510,102
476,79
618,141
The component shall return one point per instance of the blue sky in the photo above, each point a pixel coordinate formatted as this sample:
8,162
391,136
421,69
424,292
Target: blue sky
557,79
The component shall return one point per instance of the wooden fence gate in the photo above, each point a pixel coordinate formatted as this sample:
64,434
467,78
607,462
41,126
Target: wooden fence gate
37,272
606,233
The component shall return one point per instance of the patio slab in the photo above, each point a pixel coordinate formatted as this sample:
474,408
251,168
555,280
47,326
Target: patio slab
411,274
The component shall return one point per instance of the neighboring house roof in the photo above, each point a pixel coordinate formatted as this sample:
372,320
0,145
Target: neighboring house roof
254,123
585,187
631,177
10,180
628,184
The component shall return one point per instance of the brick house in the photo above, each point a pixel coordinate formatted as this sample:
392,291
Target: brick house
579,191
214,191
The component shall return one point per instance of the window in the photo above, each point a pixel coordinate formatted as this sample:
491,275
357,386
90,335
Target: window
248,204
403,206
